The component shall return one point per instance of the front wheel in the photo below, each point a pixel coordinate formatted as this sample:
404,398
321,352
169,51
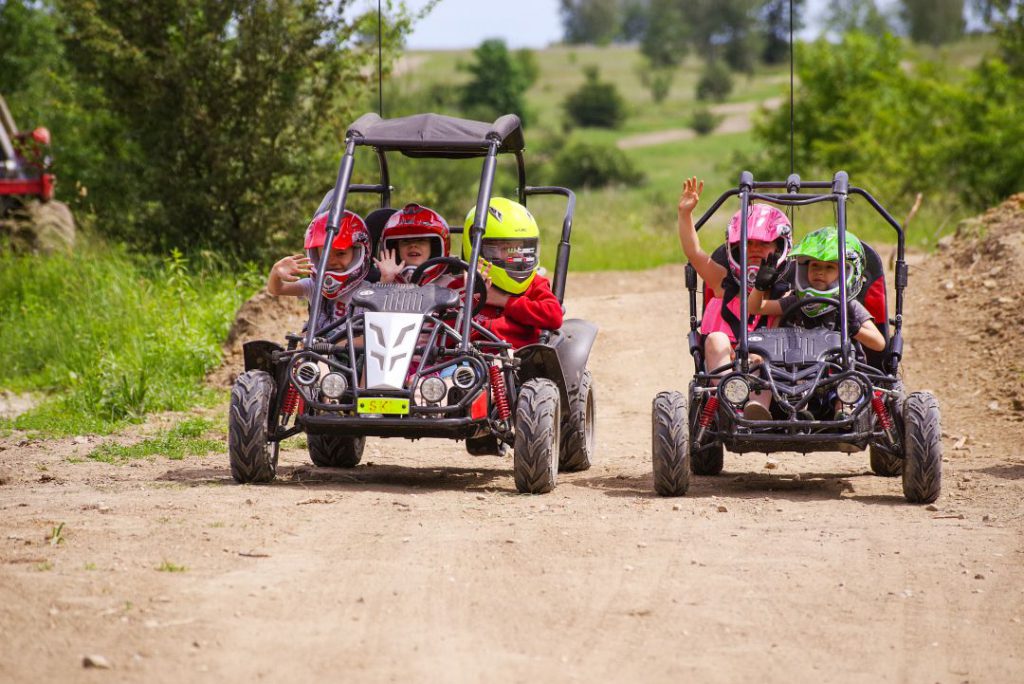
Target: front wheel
670,449
535,455
335,451
922,446
577,445
253,457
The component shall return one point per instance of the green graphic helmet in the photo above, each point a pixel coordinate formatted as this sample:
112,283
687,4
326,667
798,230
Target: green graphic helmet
823,245
510,246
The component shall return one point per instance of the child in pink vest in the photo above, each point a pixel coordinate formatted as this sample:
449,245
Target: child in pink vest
768,232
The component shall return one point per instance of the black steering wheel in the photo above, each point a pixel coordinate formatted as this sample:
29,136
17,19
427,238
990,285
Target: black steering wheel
800,303
479,288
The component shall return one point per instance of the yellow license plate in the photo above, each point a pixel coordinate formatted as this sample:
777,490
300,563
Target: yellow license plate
383,405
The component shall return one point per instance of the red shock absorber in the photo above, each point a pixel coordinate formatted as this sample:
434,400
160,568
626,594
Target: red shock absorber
884,418
498,393
878,404
707,415
710,409
291,401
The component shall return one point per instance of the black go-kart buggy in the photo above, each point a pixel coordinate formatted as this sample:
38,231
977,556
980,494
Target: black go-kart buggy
410,361
806,370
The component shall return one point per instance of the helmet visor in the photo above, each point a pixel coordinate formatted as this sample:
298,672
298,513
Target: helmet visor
518,257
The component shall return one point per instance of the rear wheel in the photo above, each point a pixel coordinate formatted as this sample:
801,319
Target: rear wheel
535,455
670,448
253,457
577,443
335,451
922,445
885,464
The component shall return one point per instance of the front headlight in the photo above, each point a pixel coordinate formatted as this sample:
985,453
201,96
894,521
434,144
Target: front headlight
333,385
433,390
735,390
849,391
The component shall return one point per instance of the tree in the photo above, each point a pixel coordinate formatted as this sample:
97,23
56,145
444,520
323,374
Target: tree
774,21
235,106
499,81
934,21
845,16
590,21
596,103
668,33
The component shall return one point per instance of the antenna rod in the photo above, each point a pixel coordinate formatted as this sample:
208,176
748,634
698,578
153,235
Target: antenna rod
380,68
792,125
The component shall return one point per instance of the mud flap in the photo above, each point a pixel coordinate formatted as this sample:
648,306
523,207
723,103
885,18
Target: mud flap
258,355
562,359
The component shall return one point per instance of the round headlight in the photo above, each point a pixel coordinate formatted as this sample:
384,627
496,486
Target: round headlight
307,373
849,391
433,389
735,390
464,377
333,385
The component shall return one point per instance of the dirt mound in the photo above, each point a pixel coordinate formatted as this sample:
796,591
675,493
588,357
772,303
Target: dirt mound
965,312
262,317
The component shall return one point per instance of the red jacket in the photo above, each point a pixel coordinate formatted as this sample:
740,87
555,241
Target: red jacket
523,318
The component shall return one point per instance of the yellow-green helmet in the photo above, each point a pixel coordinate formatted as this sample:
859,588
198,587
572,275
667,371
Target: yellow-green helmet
510,246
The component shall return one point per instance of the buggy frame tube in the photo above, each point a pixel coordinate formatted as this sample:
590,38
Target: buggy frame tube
564,247
385,178
840,188
521,173
333,221
483,202
746,186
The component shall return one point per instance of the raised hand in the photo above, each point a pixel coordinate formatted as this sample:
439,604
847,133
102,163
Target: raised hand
767,273
293,268
690,195
389,265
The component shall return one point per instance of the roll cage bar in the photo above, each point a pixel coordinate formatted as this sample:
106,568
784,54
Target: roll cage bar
838,191
441,137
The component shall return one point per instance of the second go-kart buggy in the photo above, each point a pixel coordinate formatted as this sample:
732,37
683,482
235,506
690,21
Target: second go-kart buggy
809,372
410,360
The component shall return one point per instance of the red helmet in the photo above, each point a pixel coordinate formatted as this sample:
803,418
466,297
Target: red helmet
351,233
415,221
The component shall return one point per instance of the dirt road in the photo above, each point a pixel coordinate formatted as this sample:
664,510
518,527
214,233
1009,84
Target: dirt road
423,564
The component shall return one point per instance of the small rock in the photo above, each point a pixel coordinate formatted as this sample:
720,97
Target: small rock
96,661
1005,300
627,568
676,507
993,406
974,338
987,518
481,497
81,439
641,545
771,465
990,283
931,507
722,509
979,576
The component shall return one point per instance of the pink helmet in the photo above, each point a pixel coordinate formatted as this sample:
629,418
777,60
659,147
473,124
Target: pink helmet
766,224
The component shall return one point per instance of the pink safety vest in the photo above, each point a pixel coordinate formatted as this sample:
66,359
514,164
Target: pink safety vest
713,321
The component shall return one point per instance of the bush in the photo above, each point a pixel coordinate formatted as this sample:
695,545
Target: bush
715,81
111,337
594,165
703,121
499,81
596,103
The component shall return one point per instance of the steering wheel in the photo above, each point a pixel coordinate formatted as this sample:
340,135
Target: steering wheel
479,288
800,303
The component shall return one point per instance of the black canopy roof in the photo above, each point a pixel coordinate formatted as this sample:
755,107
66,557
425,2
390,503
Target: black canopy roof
435,135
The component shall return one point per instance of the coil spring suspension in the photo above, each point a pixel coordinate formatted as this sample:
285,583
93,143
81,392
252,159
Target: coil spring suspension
292,401
706,416
498,393
883,415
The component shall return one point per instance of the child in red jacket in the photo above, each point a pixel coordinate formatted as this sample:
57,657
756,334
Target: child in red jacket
520,303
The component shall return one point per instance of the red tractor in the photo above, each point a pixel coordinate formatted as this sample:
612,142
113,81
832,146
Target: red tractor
29,216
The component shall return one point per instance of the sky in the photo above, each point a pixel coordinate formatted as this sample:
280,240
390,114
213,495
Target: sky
522,23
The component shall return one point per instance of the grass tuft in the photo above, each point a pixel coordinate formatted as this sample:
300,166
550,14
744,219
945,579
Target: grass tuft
184,439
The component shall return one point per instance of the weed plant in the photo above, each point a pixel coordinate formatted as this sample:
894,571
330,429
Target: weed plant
108,337
184,439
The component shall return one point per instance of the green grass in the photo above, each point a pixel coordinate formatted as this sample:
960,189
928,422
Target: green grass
109,337
184,439
168,566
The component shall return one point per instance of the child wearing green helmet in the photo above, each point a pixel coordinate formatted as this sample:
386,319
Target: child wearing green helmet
816,274
520,303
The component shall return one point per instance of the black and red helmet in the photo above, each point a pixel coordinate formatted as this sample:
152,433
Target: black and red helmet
415,221
351,233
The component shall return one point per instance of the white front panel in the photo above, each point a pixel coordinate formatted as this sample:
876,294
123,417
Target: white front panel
390,343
